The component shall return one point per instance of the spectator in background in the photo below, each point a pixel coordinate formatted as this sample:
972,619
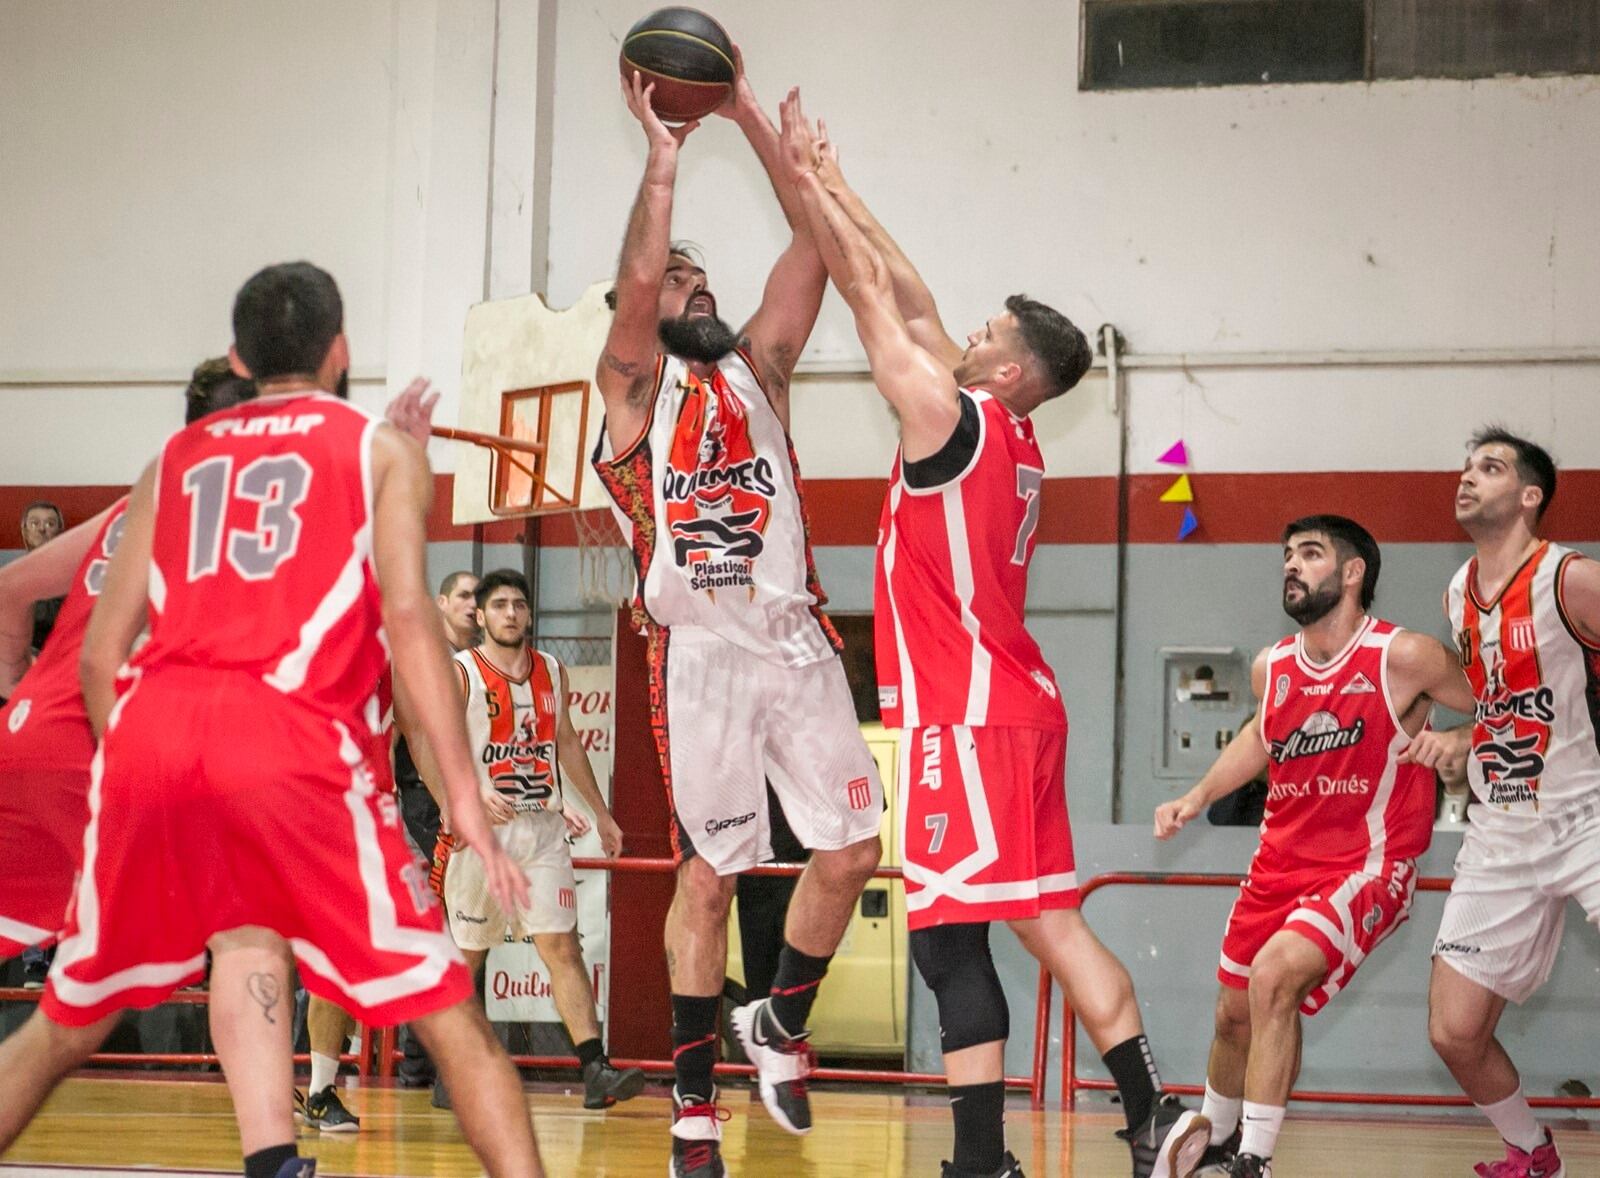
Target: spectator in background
42,522
458,607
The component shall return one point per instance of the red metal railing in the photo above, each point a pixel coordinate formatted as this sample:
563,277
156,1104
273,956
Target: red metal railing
1033,1082
1072,1084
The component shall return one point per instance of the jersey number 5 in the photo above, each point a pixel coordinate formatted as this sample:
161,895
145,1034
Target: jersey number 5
1030,481
276,485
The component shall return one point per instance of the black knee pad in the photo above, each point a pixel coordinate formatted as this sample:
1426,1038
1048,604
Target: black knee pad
954,960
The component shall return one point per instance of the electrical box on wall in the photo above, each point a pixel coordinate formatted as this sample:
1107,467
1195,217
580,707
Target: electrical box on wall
1205,698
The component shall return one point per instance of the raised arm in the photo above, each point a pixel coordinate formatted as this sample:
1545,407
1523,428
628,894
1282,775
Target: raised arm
44,573
1241,762
626,373
911,293
921,388
778,331
120,610
404,488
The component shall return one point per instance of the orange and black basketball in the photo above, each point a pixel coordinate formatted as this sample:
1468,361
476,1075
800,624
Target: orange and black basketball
688,57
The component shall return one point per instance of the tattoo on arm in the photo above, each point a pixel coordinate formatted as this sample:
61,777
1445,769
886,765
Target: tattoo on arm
620,366
265,990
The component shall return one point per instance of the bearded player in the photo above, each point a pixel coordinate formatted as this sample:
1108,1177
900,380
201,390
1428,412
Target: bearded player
983,728
747,684
1347,816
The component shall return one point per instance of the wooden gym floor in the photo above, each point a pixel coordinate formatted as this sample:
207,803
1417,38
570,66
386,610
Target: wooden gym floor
97,1124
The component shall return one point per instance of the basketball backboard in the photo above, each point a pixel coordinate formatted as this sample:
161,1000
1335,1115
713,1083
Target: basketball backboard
527,372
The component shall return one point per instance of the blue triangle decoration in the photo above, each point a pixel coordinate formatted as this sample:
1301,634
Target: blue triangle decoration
1188,525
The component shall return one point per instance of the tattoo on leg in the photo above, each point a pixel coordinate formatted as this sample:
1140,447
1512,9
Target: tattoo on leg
672,963
265,990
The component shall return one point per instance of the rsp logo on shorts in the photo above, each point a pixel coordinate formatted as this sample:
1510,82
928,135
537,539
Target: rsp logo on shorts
718,825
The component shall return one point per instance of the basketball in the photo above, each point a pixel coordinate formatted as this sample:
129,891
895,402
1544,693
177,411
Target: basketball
688,57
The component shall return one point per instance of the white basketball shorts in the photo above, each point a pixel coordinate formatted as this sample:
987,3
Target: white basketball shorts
537,842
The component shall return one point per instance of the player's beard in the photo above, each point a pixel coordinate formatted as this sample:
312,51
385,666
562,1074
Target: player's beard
704,339
1315,602
341,387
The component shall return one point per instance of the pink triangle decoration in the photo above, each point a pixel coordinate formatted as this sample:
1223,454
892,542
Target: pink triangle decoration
1176,455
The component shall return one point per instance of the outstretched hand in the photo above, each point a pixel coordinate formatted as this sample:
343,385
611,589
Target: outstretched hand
637,95
802,152
412,411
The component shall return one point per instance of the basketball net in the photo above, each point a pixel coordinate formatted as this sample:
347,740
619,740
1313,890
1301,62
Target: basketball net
605,565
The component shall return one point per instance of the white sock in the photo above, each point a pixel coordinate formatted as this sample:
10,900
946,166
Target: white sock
1223,1113
324,1070
1262,1123
1514,1121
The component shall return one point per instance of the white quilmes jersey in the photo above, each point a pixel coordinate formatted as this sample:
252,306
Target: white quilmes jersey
1536,734
709,499
511,728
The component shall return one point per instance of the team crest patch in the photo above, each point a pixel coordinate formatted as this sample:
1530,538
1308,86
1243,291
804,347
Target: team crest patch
19,715
1280,691
1360,685
1520,636
860,793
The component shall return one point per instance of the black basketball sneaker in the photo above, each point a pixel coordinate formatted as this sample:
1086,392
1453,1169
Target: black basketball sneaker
783,1063
1170,1142
1009,1168
697,1138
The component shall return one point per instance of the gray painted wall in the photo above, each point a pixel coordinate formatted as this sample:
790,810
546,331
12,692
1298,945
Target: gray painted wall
1373,1037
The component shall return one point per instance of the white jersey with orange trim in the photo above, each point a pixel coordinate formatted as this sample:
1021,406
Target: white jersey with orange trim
1536,732
511,728
709,499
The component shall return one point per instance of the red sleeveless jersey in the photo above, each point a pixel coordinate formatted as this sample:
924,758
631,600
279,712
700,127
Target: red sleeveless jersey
1338,795
951,589
46,721
262,553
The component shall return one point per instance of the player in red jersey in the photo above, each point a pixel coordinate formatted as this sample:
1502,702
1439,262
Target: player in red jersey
46,743
235,762
1525,614
1347,816
984,822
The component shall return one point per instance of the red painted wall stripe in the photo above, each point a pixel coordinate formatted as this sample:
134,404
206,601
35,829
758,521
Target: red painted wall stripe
1396,506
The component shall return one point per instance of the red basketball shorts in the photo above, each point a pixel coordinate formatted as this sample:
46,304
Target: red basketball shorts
1346,914
984,833
43,810
217,803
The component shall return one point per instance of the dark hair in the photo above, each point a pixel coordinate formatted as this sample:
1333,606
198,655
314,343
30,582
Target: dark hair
1054,340
500,579
1535,467
214,386
687,250
285,319
1349,539
447,586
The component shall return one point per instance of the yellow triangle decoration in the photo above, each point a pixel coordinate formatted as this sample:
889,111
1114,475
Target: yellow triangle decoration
1179,492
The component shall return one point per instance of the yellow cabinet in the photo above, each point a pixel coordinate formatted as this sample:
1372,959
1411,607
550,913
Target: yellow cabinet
861,1009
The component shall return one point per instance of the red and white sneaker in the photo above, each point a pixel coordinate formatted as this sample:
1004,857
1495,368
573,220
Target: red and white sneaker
1543,1162
783,1064
697,1138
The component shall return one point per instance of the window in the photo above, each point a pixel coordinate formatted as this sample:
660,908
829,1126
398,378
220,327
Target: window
1141,44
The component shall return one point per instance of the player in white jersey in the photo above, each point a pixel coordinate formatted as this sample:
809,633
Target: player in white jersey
527,750
746,683
1526,618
